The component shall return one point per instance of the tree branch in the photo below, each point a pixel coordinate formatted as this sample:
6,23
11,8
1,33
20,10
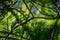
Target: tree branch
28,8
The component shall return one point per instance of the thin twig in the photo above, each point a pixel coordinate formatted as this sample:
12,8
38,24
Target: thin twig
28,8
40,11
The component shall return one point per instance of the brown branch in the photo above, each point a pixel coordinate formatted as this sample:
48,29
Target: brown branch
34,18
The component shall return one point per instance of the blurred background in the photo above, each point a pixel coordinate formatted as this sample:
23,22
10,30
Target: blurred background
30,19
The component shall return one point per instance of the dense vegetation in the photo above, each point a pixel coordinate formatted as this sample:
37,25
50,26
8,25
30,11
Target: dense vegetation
29,20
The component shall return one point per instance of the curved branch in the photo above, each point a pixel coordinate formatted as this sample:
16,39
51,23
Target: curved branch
32,19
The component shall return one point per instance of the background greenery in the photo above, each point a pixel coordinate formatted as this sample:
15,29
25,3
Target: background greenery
39,20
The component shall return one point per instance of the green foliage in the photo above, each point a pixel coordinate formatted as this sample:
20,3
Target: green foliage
38,20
